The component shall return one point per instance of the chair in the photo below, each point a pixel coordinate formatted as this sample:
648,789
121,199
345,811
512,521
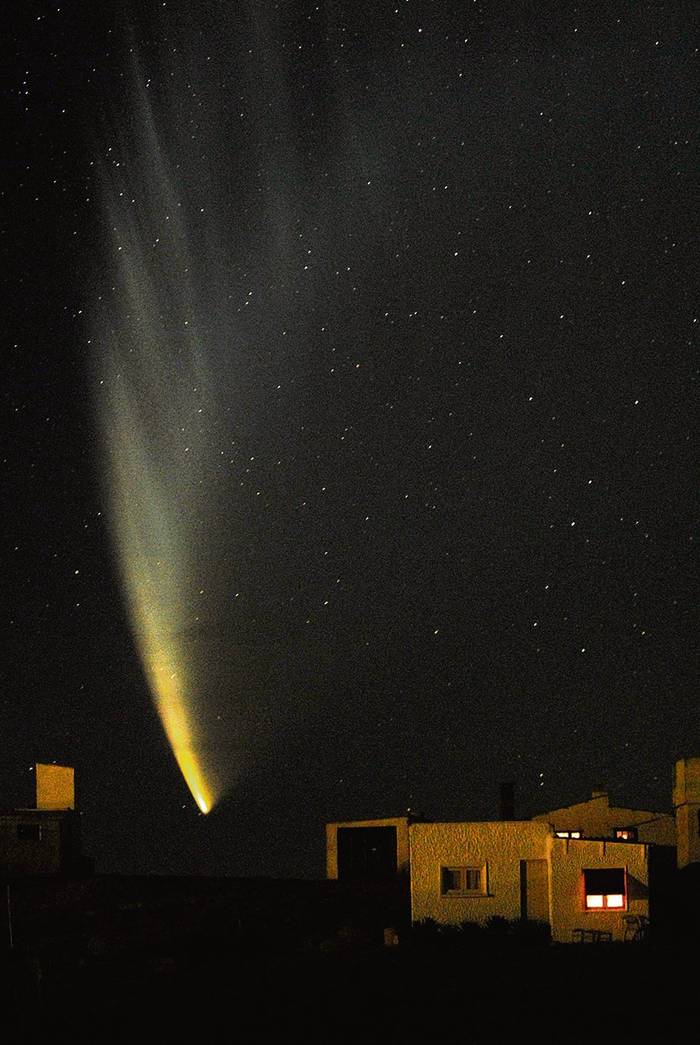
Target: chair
633,928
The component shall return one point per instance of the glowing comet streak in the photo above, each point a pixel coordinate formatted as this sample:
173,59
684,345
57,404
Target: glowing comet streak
165,684
152,383
152,562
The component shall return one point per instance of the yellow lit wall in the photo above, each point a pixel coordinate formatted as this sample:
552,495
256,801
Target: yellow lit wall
55,787
500,847
568,859
686,799
596,818
497,846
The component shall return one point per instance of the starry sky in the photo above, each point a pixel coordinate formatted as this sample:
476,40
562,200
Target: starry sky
348,389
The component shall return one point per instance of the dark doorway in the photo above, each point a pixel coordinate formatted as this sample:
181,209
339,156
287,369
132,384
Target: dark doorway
534,890
366,852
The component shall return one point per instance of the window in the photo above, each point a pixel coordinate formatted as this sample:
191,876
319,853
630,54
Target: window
569,834
625,834
605,889
462,881
29,832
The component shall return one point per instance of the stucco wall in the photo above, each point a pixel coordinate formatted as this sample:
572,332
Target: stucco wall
686,799
55,786
661,831
688,820
500,845
596,818
568,859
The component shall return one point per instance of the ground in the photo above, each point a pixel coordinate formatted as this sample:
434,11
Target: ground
135,960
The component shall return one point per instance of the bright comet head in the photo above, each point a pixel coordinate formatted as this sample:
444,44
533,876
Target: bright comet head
153,385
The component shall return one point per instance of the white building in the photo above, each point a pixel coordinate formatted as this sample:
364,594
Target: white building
584,869
596,818
522,870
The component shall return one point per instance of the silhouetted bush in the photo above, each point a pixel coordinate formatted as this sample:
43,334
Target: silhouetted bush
496,925
426,929
497,931
471,932
532,933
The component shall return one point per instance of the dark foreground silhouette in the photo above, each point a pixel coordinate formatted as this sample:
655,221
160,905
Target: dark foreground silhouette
261,960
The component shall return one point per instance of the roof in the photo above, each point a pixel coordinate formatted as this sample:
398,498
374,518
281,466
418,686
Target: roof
652,813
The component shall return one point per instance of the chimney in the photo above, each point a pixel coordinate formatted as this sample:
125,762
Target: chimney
55,787
506,800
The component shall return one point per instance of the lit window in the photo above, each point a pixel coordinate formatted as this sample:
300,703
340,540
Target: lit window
462,881
625,834
605,889
568,834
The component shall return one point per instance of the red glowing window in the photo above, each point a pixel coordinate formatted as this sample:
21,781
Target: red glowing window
626,834
605,889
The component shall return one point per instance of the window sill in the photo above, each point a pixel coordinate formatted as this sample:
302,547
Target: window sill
466,896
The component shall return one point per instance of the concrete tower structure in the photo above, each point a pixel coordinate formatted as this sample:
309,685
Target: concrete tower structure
686,803
55,786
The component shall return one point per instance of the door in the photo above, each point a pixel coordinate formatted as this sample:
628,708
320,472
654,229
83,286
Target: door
534,891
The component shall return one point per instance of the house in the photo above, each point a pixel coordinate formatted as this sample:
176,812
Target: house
589,869
596,818
44,840
522,870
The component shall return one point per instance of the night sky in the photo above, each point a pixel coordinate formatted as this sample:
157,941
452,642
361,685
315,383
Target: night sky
349,374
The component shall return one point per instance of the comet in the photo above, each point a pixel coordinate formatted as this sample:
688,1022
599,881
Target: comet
157,411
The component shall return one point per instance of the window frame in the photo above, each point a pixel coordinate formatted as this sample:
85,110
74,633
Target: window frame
618,833
464,870
605,897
